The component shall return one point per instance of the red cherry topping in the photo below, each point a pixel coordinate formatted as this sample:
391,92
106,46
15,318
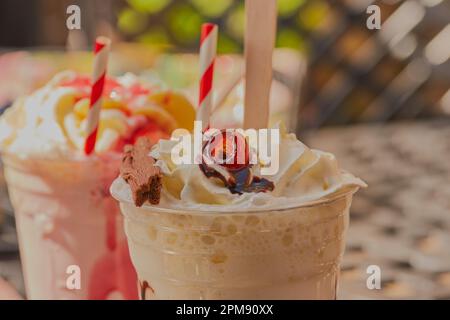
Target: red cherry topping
229,149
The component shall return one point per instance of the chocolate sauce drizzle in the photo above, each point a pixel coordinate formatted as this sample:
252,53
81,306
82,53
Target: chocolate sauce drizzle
240,181
144,286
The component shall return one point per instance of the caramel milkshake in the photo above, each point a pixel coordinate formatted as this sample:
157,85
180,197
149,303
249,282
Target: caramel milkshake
222,231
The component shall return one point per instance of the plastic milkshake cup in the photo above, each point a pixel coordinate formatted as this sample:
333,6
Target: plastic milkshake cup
290,253
235,230
70,229
66,219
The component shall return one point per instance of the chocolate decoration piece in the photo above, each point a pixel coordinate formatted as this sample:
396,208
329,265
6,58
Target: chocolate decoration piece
240,181
139,171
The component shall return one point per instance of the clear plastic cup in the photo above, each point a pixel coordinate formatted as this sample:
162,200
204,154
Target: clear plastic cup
290,253
66,219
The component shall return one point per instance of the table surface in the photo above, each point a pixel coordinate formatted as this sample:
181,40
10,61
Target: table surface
400,223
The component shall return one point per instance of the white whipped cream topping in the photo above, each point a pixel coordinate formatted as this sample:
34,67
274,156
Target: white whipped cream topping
304,176
45,123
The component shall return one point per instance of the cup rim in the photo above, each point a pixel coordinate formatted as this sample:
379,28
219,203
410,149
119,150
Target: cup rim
222,209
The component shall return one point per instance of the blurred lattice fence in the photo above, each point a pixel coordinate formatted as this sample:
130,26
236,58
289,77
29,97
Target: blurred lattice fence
355,74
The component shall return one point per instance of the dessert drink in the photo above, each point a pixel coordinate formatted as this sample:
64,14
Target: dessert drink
227,231
70,230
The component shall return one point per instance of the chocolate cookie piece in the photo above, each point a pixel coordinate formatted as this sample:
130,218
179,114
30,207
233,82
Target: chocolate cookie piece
139,171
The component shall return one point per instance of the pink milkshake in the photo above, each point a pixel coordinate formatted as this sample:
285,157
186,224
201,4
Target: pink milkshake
70,231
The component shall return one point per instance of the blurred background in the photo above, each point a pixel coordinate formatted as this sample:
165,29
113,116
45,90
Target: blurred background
378,99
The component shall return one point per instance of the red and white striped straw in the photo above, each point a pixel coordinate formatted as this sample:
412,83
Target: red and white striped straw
101,52
208,48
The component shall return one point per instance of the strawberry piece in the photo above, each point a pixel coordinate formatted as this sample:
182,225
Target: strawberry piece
77,82
137,90
151,130
126,94
84,83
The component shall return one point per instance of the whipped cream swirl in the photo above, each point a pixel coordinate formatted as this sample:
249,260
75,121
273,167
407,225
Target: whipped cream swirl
51,122
304,175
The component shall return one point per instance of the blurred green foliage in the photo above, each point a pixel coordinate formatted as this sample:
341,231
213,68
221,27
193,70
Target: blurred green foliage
235,22
289,7
212,8
131,21
155,35
313,14
148,6
177,23
184,23
289,38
